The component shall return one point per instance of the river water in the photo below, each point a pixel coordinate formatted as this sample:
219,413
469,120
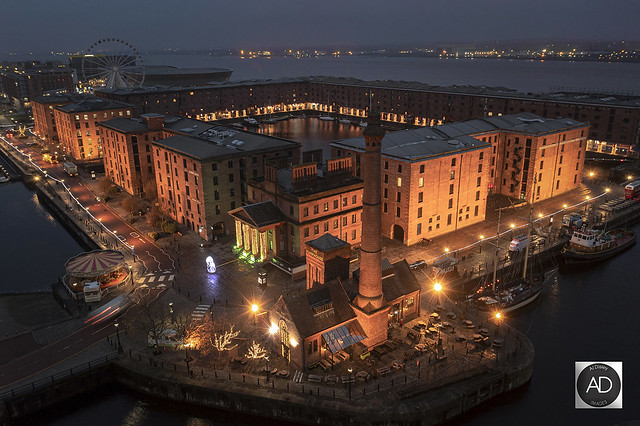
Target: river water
33,246
585,315
524,75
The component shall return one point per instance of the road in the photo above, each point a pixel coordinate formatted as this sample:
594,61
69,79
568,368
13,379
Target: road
149,254
98,326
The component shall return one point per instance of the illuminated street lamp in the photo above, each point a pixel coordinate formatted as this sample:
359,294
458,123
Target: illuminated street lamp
629,177
591,174
607,190
350,370
481,240
498,317
446,249
254,309
437,287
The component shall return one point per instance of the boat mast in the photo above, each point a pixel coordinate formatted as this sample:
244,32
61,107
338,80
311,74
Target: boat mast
495,257
526,251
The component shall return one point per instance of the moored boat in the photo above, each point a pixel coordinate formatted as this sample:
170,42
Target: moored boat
326,118
517,294
590,245
251,122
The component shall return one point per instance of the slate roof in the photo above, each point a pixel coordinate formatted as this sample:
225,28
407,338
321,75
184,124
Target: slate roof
260,214
327,242
62,97
395,284
202,140
124,124
96,104
564,97
426,142
308,324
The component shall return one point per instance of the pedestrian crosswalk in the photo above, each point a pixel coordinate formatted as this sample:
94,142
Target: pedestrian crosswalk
199,312
298,376
157,278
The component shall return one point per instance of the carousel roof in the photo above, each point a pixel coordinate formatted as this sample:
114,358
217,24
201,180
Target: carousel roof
95,263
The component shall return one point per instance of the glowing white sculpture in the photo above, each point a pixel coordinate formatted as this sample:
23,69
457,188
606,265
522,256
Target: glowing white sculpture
211,265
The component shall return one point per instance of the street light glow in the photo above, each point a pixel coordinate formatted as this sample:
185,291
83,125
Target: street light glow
513,225
591,174
446,249
564,206
498,315
254,308
607,190
273,329
437,287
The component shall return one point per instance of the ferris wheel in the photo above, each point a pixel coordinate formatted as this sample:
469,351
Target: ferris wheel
113,63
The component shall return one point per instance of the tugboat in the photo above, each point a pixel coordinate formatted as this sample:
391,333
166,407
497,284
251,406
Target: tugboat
588,245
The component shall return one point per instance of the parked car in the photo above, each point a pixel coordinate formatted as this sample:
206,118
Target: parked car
166,339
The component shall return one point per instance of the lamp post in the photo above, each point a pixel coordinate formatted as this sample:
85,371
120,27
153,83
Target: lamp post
481,240
254,309
350,370
186,357
586,205
498,318
266,361
115,324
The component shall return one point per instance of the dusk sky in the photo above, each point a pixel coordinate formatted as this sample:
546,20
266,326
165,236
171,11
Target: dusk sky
71,25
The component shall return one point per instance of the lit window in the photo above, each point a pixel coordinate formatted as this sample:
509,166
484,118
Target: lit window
399,181
420,182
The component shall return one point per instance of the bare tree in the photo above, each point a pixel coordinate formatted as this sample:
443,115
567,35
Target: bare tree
105,185
154,217
155,322
222,341
256,351
131,205
150,189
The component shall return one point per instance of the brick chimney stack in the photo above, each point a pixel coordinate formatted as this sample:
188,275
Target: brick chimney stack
370,296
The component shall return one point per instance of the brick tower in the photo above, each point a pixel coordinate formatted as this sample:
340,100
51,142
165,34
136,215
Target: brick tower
369,305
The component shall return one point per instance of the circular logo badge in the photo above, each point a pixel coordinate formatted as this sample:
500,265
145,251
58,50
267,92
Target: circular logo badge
598,385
